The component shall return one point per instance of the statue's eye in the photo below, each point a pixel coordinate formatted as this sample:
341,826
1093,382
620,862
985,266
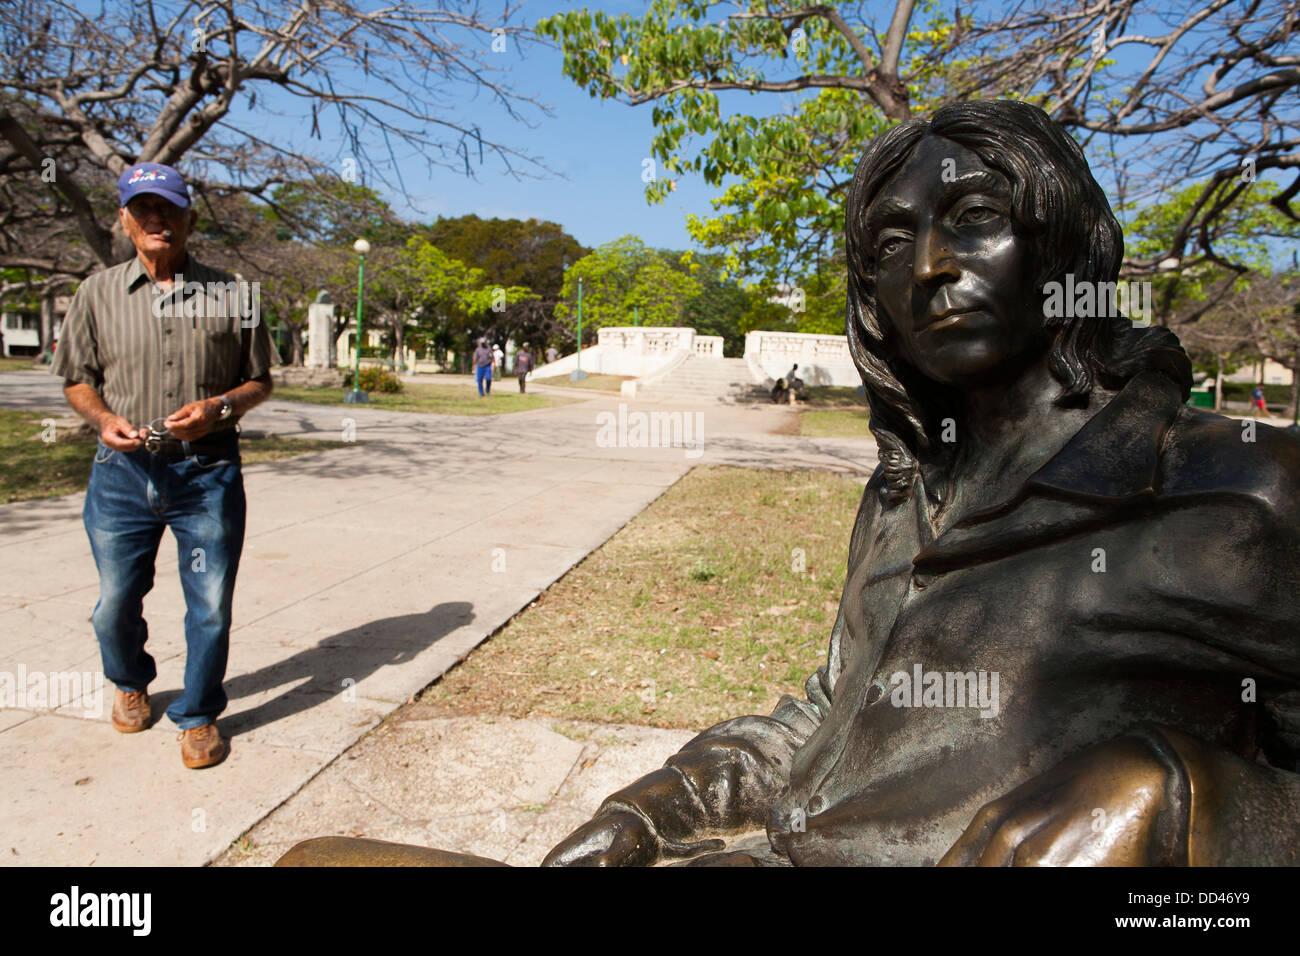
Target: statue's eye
977,214
888,246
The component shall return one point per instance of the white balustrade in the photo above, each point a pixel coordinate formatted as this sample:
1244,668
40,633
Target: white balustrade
708,346
822,359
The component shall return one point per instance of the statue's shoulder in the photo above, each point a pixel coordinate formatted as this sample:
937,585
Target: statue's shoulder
1209,454
870,507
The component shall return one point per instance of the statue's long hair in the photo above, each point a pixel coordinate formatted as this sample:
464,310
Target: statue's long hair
1058,205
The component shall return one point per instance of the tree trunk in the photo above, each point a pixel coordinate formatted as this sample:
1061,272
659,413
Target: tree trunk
399,345
1218,382
46,325
296,351
1295,386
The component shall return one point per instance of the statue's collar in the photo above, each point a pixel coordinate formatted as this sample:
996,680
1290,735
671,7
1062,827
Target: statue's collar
1111,463
1115,456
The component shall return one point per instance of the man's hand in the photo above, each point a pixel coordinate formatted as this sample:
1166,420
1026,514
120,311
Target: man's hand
1108,806
118,434
191,422
610,838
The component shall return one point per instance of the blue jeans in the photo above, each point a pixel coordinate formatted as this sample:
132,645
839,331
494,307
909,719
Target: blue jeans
133,496
483,373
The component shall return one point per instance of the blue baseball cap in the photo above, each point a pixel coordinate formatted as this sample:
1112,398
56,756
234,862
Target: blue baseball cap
141,178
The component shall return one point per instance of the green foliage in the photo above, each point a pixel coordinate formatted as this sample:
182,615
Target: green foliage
1247,233
719,306
785,174
1273,394
375,379
333,212
511,252
623,275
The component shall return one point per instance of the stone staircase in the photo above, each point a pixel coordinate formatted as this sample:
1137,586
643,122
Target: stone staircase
706,380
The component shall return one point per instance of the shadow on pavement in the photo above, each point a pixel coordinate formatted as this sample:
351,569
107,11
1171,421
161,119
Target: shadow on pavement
352,654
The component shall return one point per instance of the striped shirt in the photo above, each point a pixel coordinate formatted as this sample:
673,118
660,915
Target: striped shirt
148,351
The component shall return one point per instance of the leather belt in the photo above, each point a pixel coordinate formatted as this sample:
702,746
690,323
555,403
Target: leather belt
173,449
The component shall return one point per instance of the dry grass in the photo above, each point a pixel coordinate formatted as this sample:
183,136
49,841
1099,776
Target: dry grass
599,382
693,613
437,399
835,423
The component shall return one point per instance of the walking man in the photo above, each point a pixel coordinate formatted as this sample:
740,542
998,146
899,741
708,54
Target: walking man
523,365
1257,405
483,361
163,355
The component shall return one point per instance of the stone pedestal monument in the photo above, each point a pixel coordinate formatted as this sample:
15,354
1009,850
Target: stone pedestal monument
321,347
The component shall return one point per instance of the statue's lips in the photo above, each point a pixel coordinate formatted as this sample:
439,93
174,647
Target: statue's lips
949,319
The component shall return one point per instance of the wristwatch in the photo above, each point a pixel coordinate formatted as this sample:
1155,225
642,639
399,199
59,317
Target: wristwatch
226,409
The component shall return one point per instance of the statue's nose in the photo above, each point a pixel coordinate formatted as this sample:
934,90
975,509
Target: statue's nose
933,262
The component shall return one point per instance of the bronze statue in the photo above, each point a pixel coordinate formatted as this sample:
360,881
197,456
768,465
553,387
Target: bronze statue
1068,632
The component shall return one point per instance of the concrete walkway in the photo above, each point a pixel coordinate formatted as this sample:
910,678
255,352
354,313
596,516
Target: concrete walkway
367,572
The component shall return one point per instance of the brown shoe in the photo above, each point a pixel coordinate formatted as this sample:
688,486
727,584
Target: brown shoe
130,711
202,746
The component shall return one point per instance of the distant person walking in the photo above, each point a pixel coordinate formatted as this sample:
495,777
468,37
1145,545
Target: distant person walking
483,368
499,359
523,365
551,354
1257,402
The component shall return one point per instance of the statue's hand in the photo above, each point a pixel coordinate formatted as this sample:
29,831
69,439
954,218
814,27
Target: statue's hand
610,838
620,838
1107,806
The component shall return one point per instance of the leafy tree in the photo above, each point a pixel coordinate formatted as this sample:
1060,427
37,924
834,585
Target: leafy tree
511,252
514,254
1100,69
719,306
620,276
660,293
1244,237
1253,320
328,211
87,90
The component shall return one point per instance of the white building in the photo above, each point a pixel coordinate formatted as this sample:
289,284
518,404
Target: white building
22,328
1269,372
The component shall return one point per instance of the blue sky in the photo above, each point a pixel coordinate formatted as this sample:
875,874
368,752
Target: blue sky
595,147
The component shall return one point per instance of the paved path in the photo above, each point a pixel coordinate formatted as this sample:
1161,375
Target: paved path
367,572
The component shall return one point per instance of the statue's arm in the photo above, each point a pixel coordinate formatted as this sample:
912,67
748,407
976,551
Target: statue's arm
726,778
1242,813
1161,794
723,780
1155,796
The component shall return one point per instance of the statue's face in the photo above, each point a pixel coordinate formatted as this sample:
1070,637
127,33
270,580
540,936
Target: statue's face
953,279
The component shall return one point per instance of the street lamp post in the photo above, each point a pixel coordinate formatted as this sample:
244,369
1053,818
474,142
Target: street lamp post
356,396
578,374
